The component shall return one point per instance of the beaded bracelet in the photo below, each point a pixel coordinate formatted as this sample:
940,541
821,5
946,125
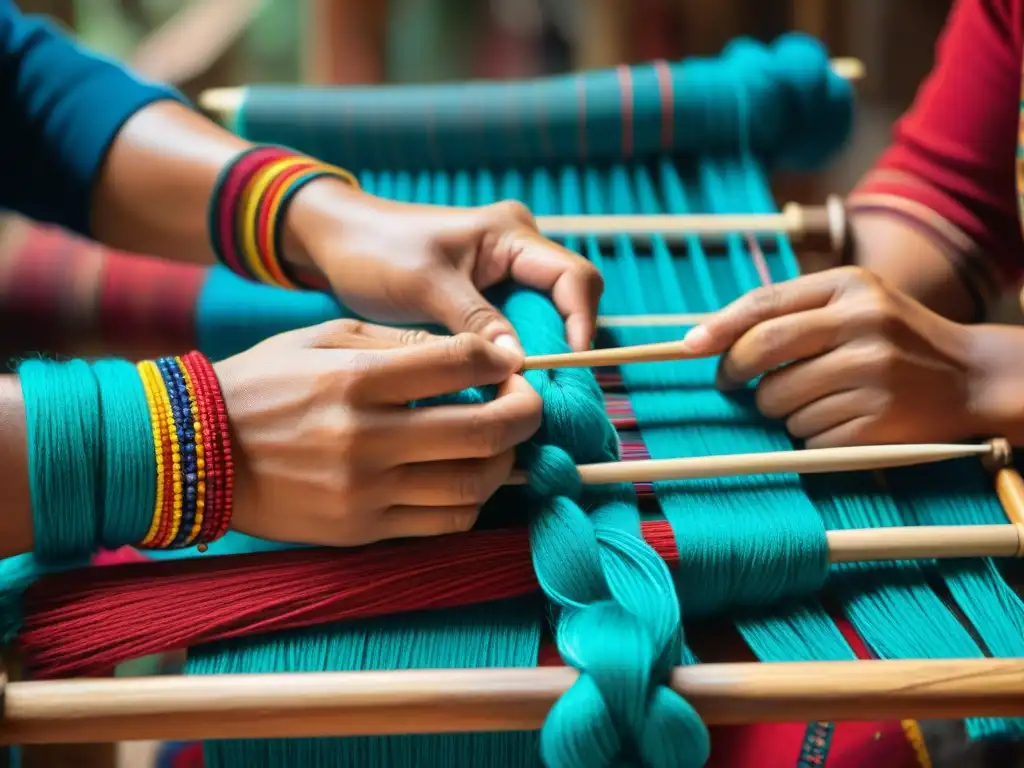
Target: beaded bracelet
194,469
249,203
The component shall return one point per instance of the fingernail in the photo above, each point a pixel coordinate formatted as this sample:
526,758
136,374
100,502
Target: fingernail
697,338
509,342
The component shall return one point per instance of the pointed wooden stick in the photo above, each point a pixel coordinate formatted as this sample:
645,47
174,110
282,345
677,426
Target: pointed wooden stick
296,705
809,461
223,103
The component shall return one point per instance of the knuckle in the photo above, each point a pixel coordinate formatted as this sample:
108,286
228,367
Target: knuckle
770,336
477,316
764,300
470,488
879,402
880,355
856,274
491,431
768,401
346,327
411,337
463,520
469,351
515,211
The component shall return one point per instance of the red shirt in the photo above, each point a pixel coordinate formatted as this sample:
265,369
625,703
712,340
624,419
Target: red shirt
951,167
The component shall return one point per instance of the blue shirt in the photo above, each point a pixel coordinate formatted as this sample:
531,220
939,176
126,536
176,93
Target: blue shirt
60,108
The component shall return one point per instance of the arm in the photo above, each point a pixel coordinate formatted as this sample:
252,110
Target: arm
937,216
93,148
16,515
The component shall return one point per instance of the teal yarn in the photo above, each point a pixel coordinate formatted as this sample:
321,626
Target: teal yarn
128,479
800,113
92,465
496,635
616,615
64,435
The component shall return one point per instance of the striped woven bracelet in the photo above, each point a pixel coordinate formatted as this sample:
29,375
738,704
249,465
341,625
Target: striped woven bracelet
248,206
194,469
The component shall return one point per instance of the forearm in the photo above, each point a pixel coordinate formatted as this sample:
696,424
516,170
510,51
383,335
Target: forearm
16,516
153,191
913,262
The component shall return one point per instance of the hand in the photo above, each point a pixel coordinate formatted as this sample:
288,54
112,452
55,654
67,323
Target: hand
328,452
403,263
849,360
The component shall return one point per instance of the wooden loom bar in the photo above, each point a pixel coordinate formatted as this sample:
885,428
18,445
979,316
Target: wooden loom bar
475,700
223,103
857,458
824,225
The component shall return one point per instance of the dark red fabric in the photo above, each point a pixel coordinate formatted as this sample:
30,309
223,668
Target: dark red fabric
953,151
64,295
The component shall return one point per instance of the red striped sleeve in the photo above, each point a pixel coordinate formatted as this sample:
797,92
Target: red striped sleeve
950,170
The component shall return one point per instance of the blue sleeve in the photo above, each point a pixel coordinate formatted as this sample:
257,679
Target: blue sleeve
61,108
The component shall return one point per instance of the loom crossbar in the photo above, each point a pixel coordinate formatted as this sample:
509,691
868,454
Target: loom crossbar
462,701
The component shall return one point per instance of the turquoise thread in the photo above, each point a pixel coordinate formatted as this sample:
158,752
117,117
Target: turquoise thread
129,458
64,451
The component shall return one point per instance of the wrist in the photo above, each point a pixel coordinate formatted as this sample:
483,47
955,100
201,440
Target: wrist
268,211
318,211
995,392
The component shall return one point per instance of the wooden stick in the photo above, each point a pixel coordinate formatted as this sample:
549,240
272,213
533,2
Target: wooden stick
925,542
810,461
657,352
477,700
223,103
653,321
679,226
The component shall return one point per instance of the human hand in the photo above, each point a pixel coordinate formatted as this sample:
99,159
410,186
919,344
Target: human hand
403,263
847,359
328,452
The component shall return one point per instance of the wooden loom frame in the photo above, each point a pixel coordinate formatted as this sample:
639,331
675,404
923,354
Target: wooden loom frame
448,701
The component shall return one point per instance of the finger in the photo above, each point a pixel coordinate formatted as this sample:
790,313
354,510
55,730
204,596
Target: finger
778,341
451,432
419,371
859,431
725,327
785,391
358,334
574,284
831,412
450,483
457,303
419,522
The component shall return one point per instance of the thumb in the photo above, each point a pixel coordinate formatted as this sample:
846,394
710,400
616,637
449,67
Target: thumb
458,304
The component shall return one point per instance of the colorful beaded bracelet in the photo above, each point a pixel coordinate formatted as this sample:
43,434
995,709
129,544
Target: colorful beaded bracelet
249,203
195,472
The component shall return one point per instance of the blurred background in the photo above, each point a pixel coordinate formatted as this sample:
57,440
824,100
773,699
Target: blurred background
206,43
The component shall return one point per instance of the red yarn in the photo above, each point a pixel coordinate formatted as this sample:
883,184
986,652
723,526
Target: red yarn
85,622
